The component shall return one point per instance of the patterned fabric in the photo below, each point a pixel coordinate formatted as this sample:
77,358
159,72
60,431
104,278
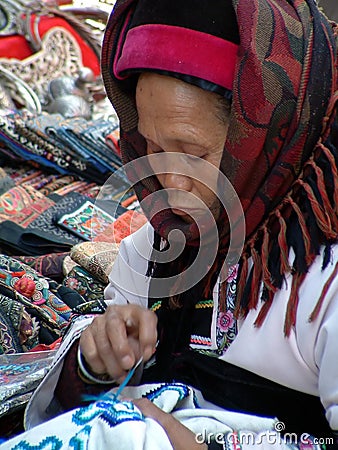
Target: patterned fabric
278,155
27,291
45,225
20,374
86,221
201,319
50,265
126,224
18,330
96,257
118,424
19,146
61,145
83,282
23,204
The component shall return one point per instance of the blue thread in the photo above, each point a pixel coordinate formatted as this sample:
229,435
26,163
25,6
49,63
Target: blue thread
52,442
114,395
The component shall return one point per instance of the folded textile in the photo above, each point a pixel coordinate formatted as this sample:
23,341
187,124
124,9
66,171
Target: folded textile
20,374
45,225
40,232
18,330
86,138
23,204
86,218
67,265
39,138
96,257
126,224
41,298
24,148
15,239
49,265
86,284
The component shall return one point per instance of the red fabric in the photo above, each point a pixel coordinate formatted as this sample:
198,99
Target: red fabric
190,52
45,347
17,46
70,389
126,224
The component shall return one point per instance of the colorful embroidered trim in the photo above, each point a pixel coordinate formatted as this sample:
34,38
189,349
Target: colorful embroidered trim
200,340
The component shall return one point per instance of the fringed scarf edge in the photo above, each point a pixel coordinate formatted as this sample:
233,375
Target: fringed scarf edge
312,206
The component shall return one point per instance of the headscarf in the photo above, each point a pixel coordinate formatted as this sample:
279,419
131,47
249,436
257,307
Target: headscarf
280,152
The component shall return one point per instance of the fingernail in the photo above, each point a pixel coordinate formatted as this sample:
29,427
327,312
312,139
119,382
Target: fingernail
127,362
148,352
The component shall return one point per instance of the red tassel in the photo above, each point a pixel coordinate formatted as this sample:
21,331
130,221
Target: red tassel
322,217
321,299
333,167
207,287
223,296
284,249
265,258
264,309
240,286
305,233
322,189
330,116
256,279
291,311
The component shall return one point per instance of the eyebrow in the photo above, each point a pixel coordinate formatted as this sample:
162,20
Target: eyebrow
201,149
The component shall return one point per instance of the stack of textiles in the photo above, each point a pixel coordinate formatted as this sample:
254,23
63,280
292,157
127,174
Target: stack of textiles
55,257
34,314
67,146
49,213
88,264
60,226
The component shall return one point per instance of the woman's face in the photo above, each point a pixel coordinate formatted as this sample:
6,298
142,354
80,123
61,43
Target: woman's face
182,119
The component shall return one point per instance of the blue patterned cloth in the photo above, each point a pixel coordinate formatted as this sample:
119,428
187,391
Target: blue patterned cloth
114,424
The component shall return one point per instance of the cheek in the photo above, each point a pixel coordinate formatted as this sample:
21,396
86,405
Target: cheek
206,183
205,193
215,158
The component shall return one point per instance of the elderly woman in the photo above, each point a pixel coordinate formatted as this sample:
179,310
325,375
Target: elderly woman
226,110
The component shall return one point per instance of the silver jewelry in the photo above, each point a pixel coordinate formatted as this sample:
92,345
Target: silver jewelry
98,379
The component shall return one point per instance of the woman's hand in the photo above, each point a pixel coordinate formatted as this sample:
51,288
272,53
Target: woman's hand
181,437
116,340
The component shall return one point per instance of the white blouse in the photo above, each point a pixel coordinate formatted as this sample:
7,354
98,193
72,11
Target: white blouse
307,360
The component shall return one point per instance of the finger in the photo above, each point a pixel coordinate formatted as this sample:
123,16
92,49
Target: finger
101,356
89,351
147,333
116,330
148,409
141,324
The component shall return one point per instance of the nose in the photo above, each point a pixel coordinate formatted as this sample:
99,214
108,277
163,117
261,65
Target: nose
177,181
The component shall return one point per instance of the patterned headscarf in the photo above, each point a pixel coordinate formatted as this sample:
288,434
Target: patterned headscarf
280,153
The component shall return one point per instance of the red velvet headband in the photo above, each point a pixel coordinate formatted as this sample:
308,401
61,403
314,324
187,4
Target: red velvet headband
176,49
